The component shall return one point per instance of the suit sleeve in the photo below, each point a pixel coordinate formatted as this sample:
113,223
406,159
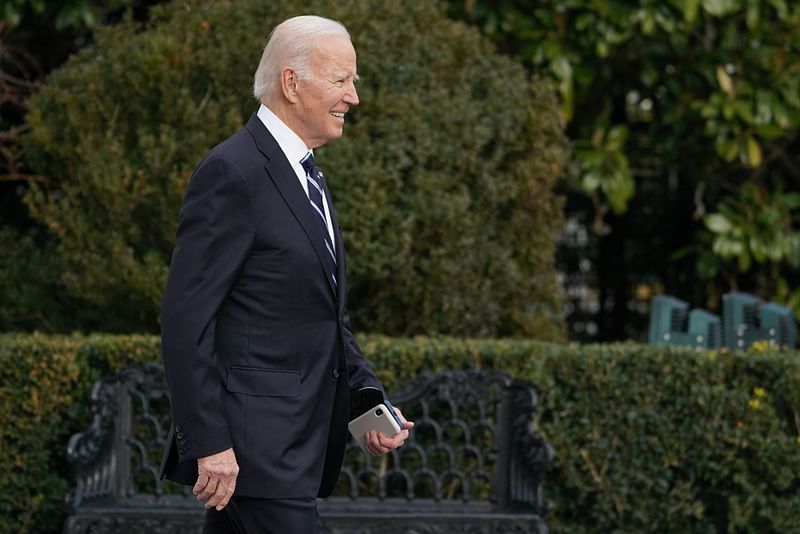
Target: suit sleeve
358,370
213,240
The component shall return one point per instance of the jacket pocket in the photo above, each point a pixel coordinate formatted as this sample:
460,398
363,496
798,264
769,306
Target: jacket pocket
261,382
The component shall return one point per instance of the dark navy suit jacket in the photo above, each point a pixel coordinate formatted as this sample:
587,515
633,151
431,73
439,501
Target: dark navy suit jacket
256,339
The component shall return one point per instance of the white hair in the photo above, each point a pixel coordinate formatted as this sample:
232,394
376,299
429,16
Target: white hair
291,44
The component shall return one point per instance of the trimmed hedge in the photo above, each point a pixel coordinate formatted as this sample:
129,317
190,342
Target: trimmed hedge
45,384
647,440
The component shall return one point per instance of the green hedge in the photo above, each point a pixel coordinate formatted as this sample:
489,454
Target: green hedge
647,440
45,383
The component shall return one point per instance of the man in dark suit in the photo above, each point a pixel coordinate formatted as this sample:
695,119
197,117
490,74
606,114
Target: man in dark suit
256,337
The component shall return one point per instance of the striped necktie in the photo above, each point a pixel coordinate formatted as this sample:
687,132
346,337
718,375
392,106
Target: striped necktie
315,189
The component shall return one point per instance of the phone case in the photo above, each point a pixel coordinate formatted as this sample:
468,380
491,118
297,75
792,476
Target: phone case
377,418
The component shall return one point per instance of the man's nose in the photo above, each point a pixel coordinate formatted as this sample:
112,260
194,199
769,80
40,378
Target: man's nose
351,96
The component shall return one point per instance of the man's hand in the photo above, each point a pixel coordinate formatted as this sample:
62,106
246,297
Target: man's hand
216,479
379,443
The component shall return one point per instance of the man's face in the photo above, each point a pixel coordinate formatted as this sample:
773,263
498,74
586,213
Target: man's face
325,97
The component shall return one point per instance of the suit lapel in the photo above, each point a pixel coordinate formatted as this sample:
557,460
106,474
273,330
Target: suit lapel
285,180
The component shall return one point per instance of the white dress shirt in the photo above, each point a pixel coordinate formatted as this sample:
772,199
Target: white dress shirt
295,150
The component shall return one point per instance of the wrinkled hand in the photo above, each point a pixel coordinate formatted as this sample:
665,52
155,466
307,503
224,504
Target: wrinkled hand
379,443
216,479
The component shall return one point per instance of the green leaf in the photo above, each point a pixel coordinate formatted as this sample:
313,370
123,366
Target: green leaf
648,23
726,148
770,132
590,181
744,110
758,248
728,111
620,190
616,137
753,15
708,111
727,247
744,261
562,70
598,135
720,8
717,223
725,81
775,251
754,155
793,249
690,9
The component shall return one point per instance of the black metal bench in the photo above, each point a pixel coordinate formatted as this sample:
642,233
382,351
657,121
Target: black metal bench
472,464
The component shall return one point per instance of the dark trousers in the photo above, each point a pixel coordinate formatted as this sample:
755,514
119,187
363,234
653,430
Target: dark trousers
249,515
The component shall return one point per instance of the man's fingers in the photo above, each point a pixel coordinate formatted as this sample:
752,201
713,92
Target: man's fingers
209,490
406,423
378,443
394,441
225,487
202,481
219,495
216,478
229,488
373,446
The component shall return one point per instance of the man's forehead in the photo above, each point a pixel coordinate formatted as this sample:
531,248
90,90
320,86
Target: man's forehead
336,63
335,47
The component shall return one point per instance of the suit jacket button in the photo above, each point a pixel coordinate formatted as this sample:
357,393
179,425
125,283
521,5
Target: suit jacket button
180,435
177,428
181,450
335,373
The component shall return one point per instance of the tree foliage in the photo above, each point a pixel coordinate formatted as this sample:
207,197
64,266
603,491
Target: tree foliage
28,281
684,110
443,180
36,37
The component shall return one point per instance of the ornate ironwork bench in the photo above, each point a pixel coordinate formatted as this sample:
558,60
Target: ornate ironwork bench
473,463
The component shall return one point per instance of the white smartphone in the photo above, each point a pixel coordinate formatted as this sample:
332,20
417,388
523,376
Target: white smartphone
377,418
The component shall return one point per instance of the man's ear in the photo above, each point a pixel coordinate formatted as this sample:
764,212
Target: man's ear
289,84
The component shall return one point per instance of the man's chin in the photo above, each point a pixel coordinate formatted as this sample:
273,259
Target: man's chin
336,133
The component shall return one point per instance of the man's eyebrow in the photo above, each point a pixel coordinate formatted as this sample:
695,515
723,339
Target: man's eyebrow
345,75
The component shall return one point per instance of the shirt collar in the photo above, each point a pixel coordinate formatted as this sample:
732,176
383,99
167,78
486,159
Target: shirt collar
293,147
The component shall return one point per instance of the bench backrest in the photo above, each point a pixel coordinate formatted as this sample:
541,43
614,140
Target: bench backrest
473,441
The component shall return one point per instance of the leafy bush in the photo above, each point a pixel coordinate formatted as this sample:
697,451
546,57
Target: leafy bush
647,440
27,280
33,297
443,180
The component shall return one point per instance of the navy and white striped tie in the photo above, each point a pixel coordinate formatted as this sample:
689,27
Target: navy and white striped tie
315,189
